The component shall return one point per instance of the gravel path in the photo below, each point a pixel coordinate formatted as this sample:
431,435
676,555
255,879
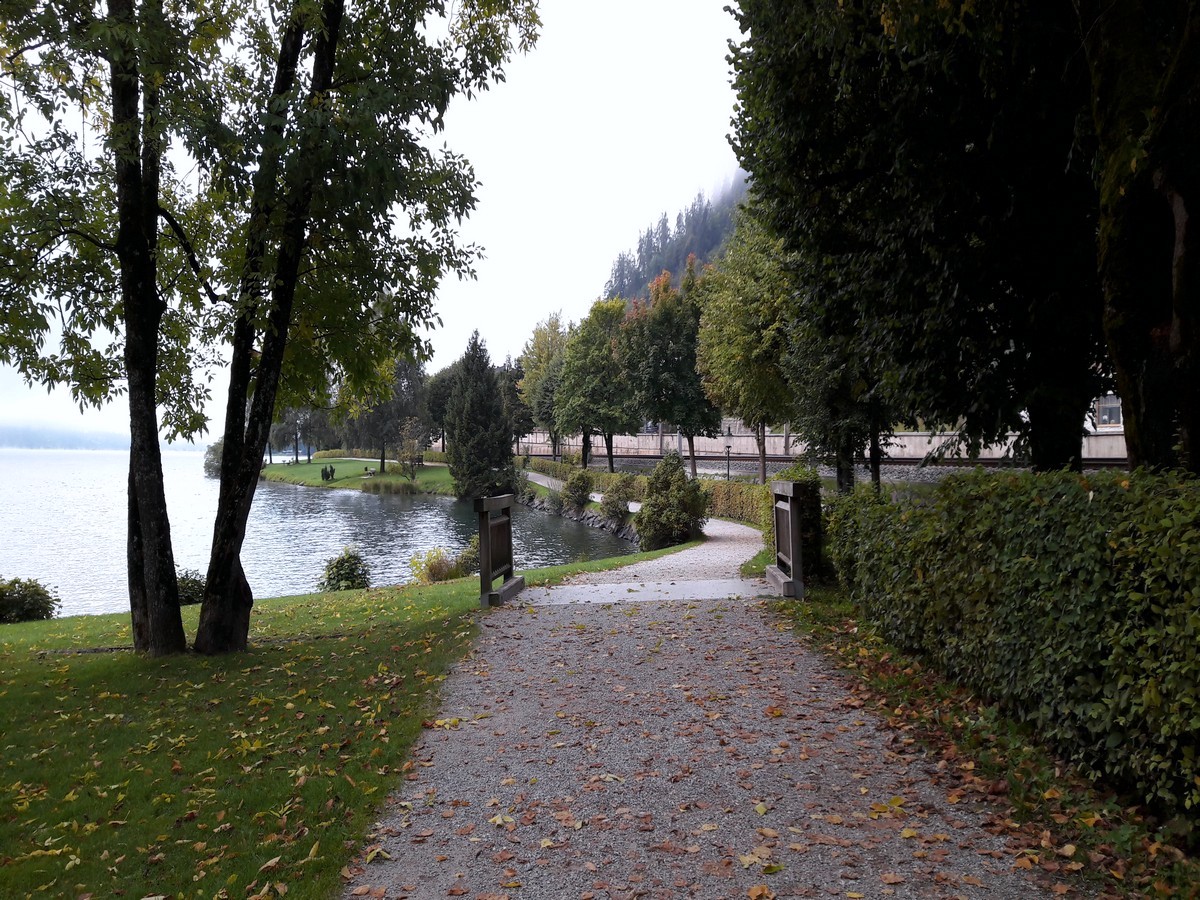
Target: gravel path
671,749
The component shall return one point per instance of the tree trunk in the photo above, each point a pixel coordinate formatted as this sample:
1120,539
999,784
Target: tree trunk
608,446
1147,127
153,589
270,455
225,614
585,448
876,458
296,449
845,466
382,455
691,439
760,437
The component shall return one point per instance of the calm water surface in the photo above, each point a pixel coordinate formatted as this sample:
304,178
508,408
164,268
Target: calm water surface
62,521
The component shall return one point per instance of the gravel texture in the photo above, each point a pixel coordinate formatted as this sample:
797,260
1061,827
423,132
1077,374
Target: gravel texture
671,749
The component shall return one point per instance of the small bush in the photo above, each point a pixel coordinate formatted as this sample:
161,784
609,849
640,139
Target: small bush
212,458
555,499
675,508
191,587
26,600
437,565
615,504
570,459
431,566
577,492
467,561
346,572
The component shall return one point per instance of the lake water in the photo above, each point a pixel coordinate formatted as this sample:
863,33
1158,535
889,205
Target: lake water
62,521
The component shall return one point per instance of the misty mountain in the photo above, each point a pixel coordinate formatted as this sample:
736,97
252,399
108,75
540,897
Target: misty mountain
701,229
50,437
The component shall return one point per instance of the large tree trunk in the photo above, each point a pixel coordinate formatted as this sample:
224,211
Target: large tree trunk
225,614
691,439
1144,107
585,449
382,455
153,589
608,446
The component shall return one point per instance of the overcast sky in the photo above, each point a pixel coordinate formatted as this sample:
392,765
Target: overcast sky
619,114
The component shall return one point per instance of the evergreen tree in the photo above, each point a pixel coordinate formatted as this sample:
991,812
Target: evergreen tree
477,429
520,416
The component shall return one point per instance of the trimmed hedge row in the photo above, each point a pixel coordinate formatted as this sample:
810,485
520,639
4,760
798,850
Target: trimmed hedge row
1073,600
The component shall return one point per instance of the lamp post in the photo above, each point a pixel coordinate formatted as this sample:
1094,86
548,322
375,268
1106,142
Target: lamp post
728,448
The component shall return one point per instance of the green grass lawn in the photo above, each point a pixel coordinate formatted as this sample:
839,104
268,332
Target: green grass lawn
231,776
349,473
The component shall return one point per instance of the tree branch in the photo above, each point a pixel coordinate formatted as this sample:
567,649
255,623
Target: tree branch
181,236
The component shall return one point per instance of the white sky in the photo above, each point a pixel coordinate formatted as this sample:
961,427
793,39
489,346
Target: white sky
619,114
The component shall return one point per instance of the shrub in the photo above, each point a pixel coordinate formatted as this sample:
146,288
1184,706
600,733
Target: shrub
437,565
674,509
1073,600
347,571
191,587
26,600
615,504
577,492
212,458
431,566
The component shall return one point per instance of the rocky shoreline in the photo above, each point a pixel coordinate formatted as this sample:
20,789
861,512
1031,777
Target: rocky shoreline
624,530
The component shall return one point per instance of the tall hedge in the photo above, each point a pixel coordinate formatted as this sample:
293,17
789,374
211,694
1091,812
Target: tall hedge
1073,600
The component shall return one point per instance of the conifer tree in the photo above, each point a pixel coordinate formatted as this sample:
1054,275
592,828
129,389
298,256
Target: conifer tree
477,429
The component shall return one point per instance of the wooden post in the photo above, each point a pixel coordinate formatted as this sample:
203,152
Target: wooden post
495,550
787,573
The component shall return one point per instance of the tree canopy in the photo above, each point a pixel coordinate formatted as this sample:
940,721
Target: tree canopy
594,395
478,434
926,173
306,227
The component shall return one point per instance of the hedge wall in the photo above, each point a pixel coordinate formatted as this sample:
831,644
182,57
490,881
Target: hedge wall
1073,600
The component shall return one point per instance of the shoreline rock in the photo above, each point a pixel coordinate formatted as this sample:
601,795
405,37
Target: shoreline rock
624,530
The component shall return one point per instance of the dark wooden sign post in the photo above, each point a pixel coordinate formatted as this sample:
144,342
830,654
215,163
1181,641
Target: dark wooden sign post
787,573
495,550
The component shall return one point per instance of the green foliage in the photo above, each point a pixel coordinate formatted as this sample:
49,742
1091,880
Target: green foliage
658,347
479,450
436,564
601,481
26,600
929,173
674,509
742,334
615,502
577,491
594,395
212,458
1071,600
737,500
345,572
191,587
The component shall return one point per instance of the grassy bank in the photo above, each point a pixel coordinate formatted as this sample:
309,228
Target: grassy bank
351,473
235,776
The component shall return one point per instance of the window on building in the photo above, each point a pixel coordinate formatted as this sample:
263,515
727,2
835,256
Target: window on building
1108,412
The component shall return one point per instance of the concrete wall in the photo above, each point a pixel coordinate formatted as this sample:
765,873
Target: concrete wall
1108,444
